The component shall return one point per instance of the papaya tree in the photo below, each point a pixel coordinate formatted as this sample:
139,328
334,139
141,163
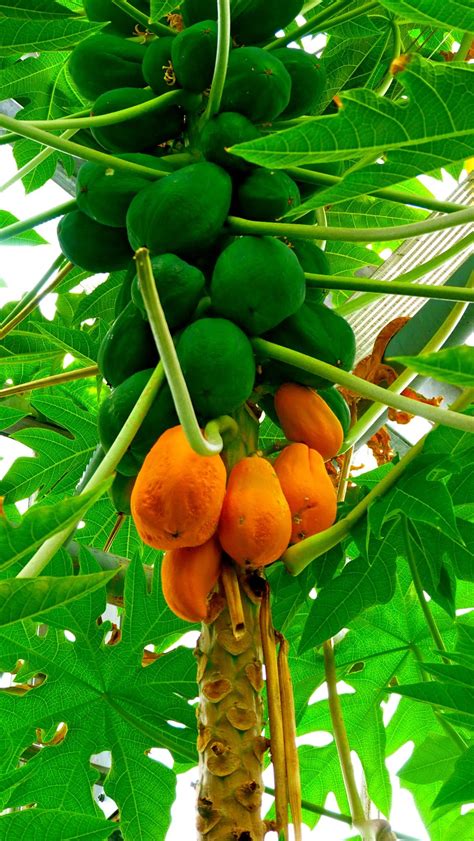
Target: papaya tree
196,409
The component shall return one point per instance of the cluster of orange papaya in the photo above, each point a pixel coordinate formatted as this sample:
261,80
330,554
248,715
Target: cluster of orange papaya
186,505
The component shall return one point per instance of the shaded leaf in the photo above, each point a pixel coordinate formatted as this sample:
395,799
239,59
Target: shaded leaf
451,365
432,761
29,36
31,9
460,786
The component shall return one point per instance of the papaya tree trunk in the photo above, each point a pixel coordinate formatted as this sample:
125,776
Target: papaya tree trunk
230,741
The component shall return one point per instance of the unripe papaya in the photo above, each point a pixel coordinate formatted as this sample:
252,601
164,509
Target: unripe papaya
188,576
218,364
257,85
333,397
307,419
158,67
127,347
138,133
178,495
308,490
257,282
312,259
193,55
308,81
183,212
124,295
120,492
179,286
267,194
92,246
255,523
251,22
227,129
103,62
120,22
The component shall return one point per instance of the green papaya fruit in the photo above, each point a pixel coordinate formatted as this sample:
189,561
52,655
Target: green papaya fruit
257,282
317,331
158,67
115,409
138,133
267,194
92,246
313,260
103,62
225,130
193,54
124,295
181,213
252,21
257,85
218,364
120,22
308,81
180,287
105,194
339,406
120,493
127,347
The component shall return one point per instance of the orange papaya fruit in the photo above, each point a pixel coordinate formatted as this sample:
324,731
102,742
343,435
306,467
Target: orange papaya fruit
308,490
188,576
255,522
307,419
177,497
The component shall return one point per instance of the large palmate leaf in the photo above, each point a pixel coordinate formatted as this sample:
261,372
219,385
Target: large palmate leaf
108,701
54,824
33,9
449,13
459,788
20,36
451,365
24,238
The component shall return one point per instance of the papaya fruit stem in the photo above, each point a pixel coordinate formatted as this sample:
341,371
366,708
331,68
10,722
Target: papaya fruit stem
230,582
57,264
237,225
289,728
172,368
387,80
137,15
385,396
105,469
34,300
47,382
297,557
19,227
222,58
277,736
388,287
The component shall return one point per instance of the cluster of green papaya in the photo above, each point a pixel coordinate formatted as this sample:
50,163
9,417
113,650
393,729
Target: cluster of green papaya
217,290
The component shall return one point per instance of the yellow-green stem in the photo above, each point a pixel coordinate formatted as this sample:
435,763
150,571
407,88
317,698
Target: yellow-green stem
54,379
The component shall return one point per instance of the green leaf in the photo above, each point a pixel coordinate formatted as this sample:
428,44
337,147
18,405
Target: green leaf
450,697
81,344
25,238
23,598
460,786
10,416
463,827
18,542
54,824
451,365
444,13
28,36
31,9
432,761
160,8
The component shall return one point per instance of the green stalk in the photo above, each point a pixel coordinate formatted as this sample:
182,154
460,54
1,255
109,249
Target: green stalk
222,58
43,555
429,618
137,15
406,377
297,557
397,46
120,116
171,366
27,224
444,417
47,382
446,725
9,137
33,301
389,287
77,150
305,29
464,47
36,161
308,176
414,229
23,302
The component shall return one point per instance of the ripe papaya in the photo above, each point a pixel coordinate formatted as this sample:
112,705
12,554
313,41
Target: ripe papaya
308,490
178,495
308,81
180,287
103,62
267,194
257,282
120,22
105,193
306,418
120,493
138,133
225,130
182,213
317,331
251,22
92,246
127,347
255,522
115,409
188,576
218,364
193,55
257,85
333,397
158,67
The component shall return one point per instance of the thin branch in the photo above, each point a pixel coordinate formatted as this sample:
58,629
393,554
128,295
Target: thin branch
344,475
16,228
36,161
33,302
289,726
429,618
115,530
54,379
31,293
222,58
315,24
